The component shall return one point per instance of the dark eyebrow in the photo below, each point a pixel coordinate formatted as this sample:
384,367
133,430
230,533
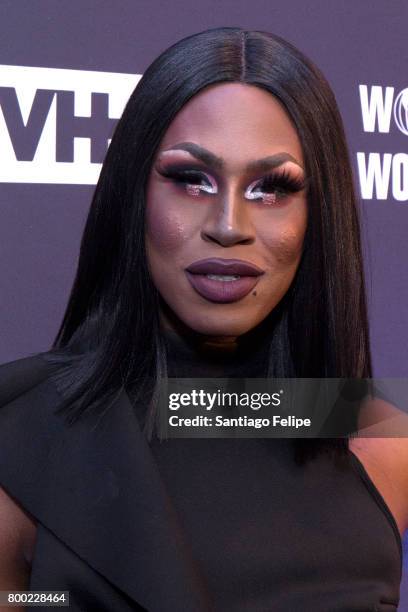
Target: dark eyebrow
213,161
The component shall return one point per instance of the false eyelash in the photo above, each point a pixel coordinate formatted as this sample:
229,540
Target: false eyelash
181,174
282,181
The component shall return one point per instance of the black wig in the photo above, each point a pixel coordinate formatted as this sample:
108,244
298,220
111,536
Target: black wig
110,334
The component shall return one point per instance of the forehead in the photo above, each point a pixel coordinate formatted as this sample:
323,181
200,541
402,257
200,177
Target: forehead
235,121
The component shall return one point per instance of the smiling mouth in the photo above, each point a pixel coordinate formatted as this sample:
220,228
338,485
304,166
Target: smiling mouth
223,280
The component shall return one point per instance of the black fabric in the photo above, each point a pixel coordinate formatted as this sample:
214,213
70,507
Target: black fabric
189,525
247,358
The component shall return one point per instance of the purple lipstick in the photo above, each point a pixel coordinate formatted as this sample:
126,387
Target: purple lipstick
223,280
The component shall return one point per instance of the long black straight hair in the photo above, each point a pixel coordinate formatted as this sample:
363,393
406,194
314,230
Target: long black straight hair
110,335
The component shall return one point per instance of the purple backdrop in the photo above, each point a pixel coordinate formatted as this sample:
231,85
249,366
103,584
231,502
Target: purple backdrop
362,43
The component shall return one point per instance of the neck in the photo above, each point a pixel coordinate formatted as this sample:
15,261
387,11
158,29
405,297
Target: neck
171,325
191,354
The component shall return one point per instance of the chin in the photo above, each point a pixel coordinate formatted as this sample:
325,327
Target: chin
220,326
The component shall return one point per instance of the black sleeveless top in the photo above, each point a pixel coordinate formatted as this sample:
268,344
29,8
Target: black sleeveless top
269,534
200,525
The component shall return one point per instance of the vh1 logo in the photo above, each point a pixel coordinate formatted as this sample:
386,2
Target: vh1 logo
56,124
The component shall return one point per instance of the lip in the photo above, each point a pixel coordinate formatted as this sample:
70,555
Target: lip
223,291
215,265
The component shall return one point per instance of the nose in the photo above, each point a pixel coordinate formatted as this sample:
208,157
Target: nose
229,221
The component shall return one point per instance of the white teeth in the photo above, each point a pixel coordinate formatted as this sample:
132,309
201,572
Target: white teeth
223,277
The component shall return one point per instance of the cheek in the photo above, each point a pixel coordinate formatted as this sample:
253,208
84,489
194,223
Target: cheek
286,246
284,243
166,229
283,237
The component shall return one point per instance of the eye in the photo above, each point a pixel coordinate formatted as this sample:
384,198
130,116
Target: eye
274,187
193,181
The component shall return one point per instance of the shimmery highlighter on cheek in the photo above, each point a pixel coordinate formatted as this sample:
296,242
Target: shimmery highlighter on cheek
285,247
289,246
165,232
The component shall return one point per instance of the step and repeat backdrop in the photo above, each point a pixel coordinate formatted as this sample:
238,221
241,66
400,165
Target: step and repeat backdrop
66,72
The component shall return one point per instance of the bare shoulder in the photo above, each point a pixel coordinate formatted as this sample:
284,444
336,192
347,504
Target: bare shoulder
382,448
17,539
386,462
383,438
389,454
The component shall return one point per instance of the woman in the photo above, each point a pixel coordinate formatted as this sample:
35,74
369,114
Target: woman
222,240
